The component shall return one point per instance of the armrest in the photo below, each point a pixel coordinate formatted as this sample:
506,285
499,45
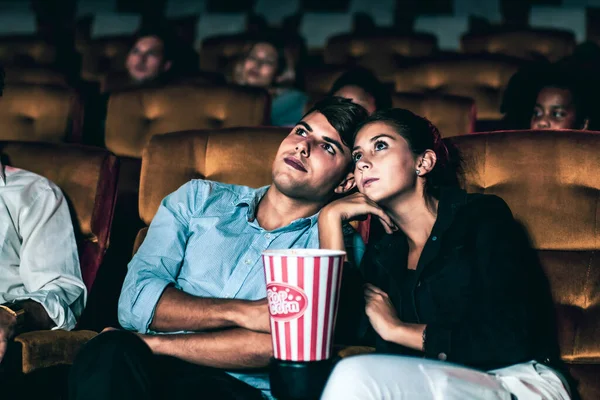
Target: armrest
355,351
41,349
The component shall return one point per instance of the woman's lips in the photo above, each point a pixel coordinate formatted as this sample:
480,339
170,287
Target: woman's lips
368,181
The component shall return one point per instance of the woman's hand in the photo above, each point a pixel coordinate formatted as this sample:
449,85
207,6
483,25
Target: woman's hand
356,206
381,312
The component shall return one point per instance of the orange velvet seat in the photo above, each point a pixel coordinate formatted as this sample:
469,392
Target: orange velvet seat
380,53
452,115
552,44
551,181
27,50
134,116
242,156
480,78
34,75
41,113
101,56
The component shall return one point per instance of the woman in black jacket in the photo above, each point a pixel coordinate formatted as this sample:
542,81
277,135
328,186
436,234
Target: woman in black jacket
452,296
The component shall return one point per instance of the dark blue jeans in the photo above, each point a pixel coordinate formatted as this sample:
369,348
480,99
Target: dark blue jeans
119,365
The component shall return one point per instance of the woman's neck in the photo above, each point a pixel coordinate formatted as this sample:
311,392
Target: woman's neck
415,216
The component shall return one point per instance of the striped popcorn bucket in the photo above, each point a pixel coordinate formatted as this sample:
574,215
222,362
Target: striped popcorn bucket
303,288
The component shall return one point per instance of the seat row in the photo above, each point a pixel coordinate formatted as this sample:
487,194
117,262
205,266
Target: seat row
551,181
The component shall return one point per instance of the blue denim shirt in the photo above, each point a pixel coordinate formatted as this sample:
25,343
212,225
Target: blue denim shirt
205,241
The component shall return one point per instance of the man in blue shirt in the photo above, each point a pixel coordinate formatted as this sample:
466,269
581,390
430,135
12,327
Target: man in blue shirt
198,276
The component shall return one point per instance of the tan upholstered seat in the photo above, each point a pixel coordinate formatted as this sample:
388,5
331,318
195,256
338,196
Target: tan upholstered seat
34,75
452,115
101,56
551,181
88,178
26,50
378,52
552,44
40,113
241,156
136,115
482,79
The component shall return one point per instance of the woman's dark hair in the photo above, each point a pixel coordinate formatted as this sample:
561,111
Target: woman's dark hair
367,81
421,135
342,114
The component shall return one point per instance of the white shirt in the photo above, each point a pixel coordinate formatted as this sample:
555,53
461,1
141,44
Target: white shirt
38,252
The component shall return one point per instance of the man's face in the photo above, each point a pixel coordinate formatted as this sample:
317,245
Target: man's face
145,61
311,161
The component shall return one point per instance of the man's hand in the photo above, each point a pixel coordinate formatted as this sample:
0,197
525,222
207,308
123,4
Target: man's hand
8,323
254,316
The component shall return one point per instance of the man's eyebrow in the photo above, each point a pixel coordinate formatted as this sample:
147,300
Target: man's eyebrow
304,124
375,138
335,143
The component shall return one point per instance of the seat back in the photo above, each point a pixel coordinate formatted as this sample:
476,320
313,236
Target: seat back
134,116
242,156
88,178
552,44
378,52
452,115
482,79
34,75
551,181
104,55
40,113
27,50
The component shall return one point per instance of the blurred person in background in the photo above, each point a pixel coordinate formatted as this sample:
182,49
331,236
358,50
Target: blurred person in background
362,87
265,65
561,102
151,57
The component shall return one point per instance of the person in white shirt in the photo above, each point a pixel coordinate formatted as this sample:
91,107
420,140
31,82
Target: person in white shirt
40,280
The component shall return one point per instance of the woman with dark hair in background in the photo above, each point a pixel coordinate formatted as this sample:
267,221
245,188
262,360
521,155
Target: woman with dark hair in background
449,276
363,88
265,66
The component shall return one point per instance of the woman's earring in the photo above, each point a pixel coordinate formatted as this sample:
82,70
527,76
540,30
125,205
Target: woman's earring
418,172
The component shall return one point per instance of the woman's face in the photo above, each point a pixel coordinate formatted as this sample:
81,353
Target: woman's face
260,66
384,164
554,109
358,96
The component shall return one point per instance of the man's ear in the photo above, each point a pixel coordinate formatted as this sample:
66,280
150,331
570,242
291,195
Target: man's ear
347,184
167,66
426,162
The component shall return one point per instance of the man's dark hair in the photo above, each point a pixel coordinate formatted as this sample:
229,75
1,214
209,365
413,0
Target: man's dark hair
342,114
367,81
1,80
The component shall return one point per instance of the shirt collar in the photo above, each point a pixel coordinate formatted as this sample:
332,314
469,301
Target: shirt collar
2,175
252,198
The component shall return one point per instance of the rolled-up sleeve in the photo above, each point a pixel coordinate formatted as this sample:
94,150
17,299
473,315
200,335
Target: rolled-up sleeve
49,263
157,263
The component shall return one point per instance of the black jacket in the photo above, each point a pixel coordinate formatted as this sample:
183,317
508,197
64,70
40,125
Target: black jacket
478,287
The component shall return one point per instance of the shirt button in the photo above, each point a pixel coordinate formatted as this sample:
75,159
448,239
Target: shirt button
442,357
434,238
268,236
247,262
419,284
